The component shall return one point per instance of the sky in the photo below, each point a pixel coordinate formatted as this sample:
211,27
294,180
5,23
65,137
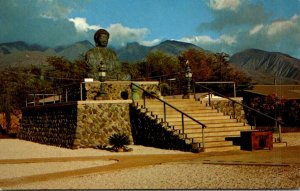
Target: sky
228,26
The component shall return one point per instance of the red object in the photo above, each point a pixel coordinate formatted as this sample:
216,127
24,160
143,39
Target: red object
254,140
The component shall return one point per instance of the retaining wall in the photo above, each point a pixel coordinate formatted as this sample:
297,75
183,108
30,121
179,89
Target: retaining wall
226,106
98,120
51,124
76,125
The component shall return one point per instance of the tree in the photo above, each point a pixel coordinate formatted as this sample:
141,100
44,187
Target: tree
200,63
161,66
208,66
16,84
131,69
272,105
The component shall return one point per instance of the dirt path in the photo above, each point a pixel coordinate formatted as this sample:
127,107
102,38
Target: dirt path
124,162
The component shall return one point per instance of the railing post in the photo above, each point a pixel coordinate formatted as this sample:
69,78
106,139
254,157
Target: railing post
233,109
165,113
144,99
182,122
234,90
203,142
66,95
80,91
33,99
279,129
43,99
254,121
209,98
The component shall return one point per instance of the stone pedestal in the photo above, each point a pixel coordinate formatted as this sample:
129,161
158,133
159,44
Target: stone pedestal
119,90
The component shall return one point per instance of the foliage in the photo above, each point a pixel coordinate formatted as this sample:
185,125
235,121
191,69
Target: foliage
18,82
205,66
63,71
65,75
272,105
200,63
119,140
131,70
214,67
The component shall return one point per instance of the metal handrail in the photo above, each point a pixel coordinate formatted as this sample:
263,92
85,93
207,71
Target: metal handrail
183,114
277,122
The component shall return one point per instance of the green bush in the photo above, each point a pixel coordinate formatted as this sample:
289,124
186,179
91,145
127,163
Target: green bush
119,140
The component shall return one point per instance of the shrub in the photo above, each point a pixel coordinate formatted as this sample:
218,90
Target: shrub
119,140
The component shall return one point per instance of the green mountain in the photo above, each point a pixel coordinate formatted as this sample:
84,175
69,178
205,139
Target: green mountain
74,51
264,67
134,52
261,65
20,53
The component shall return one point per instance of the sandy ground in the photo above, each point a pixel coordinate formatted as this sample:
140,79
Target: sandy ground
176,175
18,149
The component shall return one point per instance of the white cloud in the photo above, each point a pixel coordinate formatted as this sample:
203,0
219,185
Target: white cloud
224,4
81,25
256,29
234,14
121,35
284,26
207,40
150,43
227,39
200,40
52,9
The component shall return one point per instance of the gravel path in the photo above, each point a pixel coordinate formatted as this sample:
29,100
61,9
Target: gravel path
183,176
176,175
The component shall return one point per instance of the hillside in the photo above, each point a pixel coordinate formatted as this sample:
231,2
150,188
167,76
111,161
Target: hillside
135,52
132,52
74,51
264,66
261,65
13,47
24,59
21,54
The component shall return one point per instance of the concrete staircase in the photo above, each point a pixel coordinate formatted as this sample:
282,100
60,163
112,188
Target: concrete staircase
218,126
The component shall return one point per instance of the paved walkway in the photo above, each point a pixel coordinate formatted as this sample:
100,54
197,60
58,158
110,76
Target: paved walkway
282,156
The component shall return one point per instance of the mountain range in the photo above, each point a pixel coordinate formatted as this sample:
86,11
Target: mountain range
261,65
268,67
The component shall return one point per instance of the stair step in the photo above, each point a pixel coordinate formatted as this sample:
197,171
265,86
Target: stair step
217,144
195,129
209,139
189,112
214,134
185,109
178,115
218,125
224,125
209,122
202,118
209,144
222,148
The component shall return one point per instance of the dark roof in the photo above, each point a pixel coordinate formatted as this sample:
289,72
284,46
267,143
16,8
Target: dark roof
282,91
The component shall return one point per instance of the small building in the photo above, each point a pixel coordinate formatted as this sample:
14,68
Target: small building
287,106
287,92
